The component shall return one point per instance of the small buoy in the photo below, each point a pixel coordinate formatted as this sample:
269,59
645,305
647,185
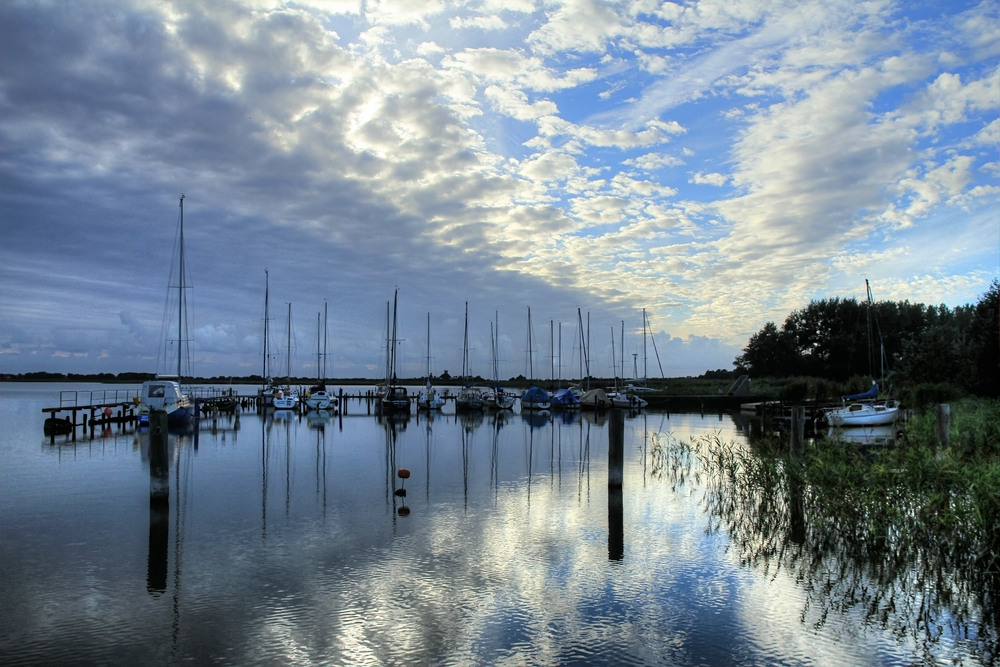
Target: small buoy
400,492
404,473
107,412
403,511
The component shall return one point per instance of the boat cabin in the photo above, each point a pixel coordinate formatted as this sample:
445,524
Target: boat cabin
158,394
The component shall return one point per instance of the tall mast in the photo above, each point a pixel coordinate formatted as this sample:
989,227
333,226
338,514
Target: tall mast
614,361
465,347
552,353
622,352
531,366
428,348
388,343
644,346
266,294
560,354
180,297
392,356
326,334
288,358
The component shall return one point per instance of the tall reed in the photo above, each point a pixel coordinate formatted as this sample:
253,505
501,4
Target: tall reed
906,536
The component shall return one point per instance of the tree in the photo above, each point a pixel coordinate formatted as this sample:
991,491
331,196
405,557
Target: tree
839,339
983,357
770,353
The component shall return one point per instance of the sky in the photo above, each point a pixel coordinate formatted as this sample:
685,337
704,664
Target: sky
715,165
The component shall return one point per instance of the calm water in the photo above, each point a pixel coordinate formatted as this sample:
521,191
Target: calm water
283,542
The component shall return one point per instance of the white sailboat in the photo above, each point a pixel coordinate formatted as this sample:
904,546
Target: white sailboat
286,398
429,399
866,408
619,397
498,398
165,393
469,399
318,397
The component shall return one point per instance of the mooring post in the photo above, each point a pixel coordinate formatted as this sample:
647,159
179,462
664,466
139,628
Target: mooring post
159,459
616,465
159,503
943,424
798,429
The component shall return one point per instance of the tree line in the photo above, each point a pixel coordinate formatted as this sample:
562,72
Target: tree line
838,340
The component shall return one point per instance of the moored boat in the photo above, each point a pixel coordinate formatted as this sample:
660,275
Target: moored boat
867,408
392,398
535,398
564,399
318,398
864,410
595,399
428,399
164,393
286,398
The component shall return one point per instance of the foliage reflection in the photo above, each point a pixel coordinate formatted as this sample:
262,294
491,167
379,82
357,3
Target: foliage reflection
863,536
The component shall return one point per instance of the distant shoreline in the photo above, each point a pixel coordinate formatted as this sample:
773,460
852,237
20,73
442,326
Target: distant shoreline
139,378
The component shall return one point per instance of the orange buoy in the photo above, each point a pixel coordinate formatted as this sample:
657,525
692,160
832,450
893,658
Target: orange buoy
404,473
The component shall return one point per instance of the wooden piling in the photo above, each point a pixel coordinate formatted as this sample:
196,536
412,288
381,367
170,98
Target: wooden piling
798,429
616,448
943,428
616,465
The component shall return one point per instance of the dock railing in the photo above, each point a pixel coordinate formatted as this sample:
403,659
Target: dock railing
78,399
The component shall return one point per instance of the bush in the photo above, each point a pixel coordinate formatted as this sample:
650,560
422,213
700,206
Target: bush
925,396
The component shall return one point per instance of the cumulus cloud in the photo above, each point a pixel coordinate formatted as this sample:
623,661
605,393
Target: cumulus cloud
510,152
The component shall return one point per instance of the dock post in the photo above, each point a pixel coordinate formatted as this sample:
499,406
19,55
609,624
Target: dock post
616,464
159,459
159,504
798,429
943,428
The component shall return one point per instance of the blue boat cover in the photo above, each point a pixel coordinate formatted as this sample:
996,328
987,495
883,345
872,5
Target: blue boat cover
564,397
871,393
535,395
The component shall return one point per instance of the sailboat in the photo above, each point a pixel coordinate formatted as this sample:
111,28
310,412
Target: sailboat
392,398
265,394
866,408
429,399
619,397
164,393
563,398
469,398
496,397
534,397
318,398
285,398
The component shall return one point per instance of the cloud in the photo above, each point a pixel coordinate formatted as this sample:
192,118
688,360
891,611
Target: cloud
500,153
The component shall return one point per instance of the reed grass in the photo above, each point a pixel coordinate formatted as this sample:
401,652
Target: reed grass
907,535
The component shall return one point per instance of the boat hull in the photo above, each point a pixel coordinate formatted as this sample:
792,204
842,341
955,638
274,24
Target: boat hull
285,401
320,400
863,414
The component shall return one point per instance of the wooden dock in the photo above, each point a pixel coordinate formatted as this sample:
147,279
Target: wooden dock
93,410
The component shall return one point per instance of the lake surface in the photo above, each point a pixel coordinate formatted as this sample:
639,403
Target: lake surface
283,541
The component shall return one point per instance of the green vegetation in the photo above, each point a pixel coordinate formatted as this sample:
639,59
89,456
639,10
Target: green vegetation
931,350
907,536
